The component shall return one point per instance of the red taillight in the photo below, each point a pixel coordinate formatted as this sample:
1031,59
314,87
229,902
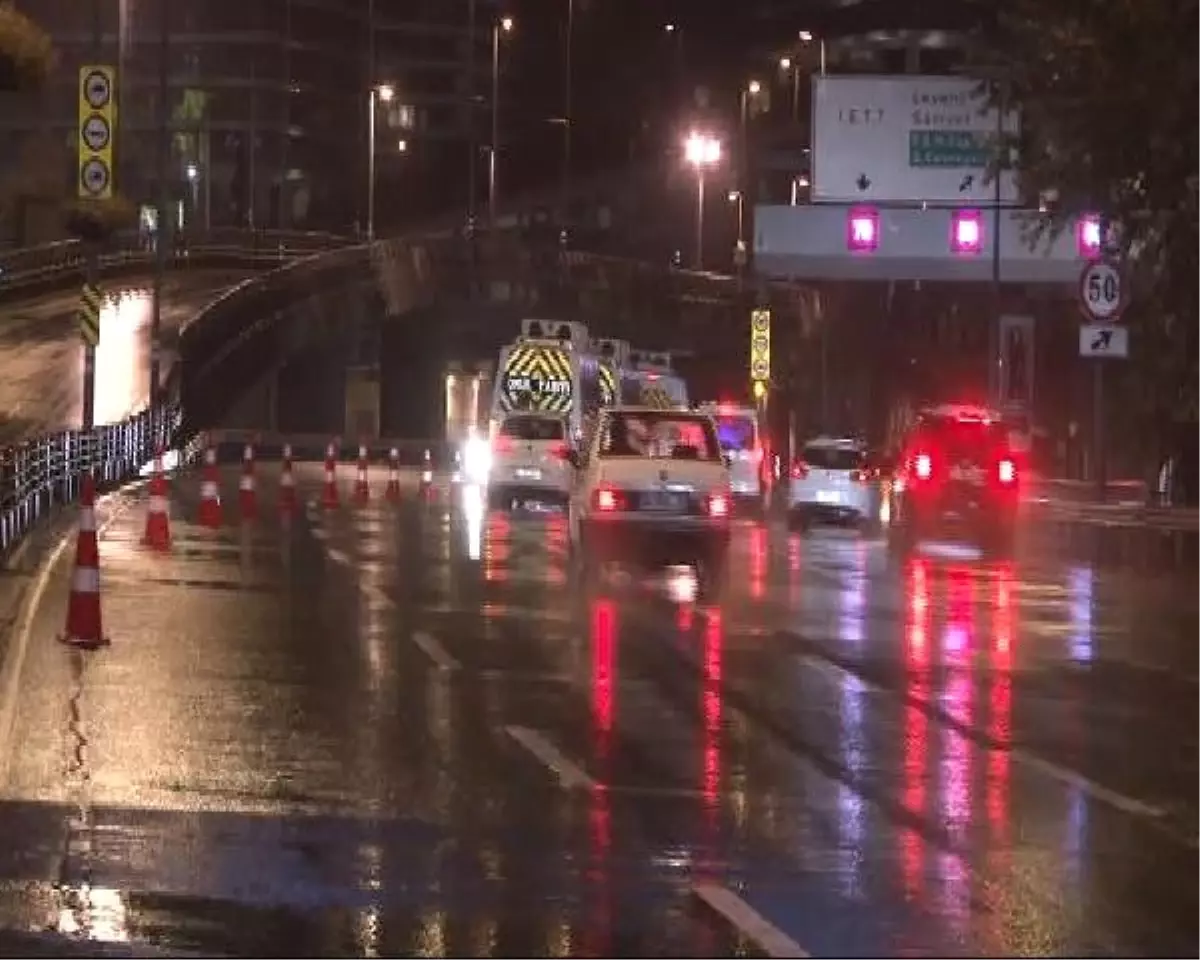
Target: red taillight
923,466
560,450
607,500
718,505
799,470
1006,471
502,444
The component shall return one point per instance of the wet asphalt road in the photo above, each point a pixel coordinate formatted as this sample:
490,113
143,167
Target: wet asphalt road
413,730
42,355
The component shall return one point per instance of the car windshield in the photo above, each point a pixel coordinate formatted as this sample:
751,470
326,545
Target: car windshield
735,432
677,436
533,428
833,458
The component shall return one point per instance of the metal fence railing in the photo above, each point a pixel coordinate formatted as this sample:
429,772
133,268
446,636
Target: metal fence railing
27,271
44,472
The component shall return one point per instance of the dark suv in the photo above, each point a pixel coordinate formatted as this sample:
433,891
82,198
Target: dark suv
956,475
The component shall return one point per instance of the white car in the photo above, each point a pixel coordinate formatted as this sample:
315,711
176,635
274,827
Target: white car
737,429
831,482
529,461
652,485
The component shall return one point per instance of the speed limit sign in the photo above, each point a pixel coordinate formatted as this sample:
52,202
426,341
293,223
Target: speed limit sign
1102,292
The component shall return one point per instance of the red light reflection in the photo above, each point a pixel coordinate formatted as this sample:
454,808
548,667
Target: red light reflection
603,636
758,562
916,625
1000,704
713,642
496,548
916,722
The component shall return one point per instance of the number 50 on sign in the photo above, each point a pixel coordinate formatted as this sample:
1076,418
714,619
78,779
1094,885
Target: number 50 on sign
1101,292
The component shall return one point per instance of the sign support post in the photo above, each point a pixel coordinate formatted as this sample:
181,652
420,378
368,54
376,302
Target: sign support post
1102,300
97,112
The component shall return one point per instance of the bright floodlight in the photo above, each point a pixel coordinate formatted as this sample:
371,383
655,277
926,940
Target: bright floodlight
806,36
701,150
1088,237
966,232
785,63
385,92
506,24
862,230
754,88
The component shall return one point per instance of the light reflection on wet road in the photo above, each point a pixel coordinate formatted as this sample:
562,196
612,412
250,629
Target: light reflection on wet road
414,730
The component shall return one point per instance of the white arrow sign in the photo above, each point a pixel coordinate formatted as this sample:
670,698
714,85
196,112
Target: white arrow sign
1103,340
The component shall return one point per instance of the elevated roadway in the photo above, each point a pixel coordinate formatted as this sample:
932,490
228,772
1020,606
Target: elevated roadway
42,355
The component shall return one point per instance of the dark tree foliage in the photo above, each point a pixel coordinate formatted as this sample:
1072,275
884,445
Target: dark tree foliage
1107,90
26,54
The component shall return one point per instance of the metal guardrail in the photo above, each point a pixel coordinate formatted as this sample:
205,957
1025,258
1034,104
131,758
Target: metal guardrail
39,474
29,270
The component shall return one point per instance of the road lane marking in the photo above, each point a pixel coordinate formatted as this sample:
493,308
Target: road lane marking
1065,775
747,921
1097,791
569,775
432,648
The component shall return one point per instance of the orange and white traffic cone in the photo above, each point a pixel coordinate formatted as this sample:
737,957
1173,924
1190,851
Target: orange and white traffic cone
329,495
210,491
287,483
247,494
362,489
84,629
393,484
158,520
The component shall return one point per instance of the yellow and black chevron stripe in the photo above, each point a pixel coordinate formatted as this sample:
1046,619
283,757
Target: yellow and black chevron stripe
655,396
538,379
608,386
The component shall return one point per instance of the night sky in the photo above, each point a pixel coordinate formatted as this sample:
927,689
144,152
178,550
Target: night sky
633,81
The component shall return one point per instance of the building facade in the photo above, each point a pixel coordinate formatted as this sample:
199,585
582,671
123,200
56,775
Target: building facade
267,101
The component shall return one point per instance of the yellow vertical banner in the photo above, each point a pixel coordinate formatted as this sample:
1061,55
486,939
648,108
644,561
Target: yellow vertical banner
97,121
760,349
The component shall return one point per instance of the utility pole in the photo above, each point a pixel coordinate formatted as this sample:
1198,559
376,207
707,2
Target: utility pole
92,267
472,138
568,106
162,235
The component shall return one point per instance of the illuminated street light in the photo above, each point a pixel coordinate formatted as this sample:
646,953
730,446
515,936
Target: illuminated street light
806,36
754,88
380,93
669,27
785,63
702,151
503,25
402,146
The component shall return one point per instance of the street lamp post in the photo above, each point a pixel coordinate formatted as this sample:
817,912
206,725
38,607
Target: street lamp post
701,151
736,197
382,93
503,25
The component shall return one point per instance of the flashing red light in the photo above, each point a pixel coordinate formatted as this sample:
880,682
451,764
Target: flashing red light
1007,472
799,470
1089,237
862,230
923,466
718,505
607,500
966,232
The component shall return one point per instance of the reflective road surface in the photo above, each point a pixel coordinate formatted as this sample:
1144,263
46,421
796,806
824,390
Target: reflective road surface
415,730
42,354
